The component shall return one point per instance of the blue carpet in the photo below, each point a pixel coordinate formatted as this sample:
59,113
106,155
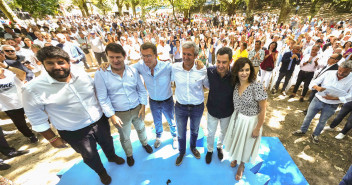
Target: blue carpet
273,166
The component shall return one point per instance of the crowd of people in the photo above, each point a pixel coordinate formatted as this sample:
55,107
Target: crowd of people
42,77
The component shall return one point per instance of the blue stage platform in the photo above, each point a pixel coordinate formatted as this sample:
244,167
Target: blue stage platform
273,166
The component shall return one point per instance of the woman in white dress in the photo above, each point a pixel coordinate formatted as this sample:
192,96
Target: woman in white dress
244,132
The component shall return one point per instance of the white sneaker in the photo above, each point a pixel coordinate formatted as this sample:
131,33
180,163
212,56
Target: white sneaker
340,136
157,142
328,128
174,143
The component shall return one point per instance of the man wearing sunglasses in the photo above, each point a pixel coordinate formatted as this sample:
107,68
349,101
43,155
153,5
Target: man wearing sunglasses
16,61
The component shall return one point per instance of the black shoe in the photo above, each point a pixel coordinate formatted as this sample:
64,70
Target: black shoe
130,161
273,91
179,159
4,166
305,112
220,154
291,96
17,153
33,139
315,139
148,149
195,153
301,99
116,159
104,178
208,157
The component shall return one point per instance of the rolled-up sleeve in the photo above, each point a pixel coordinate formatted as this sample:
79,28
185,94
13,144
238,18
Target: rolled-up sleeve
34,111
102,94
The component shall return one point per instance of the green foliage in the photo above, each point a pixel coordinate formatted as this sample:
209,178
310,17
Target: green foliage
39,8
103,5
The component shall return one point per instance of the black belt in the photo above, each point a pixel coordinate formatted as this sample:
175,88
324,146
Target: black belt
129,109
187,105
158,101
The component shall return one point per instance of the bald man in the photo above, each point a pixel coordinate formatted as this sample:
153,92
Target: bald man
288,63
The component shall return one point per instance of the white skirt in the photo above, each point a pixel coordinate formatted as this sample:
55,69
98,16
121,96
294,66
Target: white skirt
238,141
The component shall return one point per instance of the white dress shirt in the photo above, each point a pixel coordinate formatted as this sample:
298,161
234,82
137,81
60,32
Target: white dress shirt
165,50
97,45
69,106
310,67
189,84
116,93
329,79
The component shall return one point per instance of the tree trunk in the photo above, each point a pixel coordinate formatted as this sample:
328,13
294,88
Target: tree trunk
249,11
284,11
315,7
119,4
134,4
85,8
82,11
7,11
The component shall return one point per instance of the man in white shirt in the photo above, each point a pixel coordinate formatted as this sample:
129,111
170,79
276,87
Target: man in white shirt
189,97
163,51
308,66
96,42
336,88
40,39
67,99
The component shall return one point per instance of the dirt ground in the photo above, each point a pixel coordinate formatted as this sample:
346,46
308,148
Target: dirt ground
323,163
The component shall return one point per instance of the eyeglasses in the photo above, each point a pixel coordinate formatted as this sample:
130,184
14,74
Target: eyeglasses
147,56
9,51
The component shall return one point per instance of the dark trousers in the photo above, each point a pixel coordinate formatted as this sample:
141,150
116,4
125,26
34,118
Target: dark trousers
17,117
84,141
306,77
287,76
4,146
346,109
100,56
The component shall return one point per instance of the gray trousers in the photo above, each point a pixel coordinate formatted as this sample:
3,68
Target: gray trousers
128,118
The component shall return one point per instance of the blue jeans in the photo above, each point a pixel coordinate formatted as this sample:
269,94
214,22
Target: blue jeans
194,113
327,110
163,107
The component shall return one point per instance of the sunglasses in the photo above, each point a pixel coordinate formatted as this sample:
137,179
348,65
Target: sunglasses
9,51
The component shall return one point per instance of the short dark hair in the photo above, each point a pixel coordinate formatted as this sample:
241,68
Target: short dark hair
149,45
225,50
52,52
239,64
338,58
116,48
260,42
244,45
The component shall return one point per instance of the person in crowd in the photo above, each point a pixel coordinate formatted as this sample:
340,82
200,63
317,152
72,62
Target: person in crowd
178,52
244,132
17,61
288,63
267,66
328,101
96,42
241,52
123,98
67,99
189,95
11,81
219,104
308,65
345,110
163,51
256,56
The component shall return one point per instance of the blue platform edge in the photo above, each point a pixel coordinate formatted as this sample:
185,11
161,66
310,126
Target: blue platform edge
273,166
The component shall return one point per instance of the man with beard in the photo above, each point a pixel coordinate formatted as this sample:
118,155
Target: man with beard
68,101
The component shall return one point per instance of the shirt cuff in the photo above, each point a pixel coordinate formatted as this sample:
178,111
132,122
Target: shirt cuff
109,113
41,127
